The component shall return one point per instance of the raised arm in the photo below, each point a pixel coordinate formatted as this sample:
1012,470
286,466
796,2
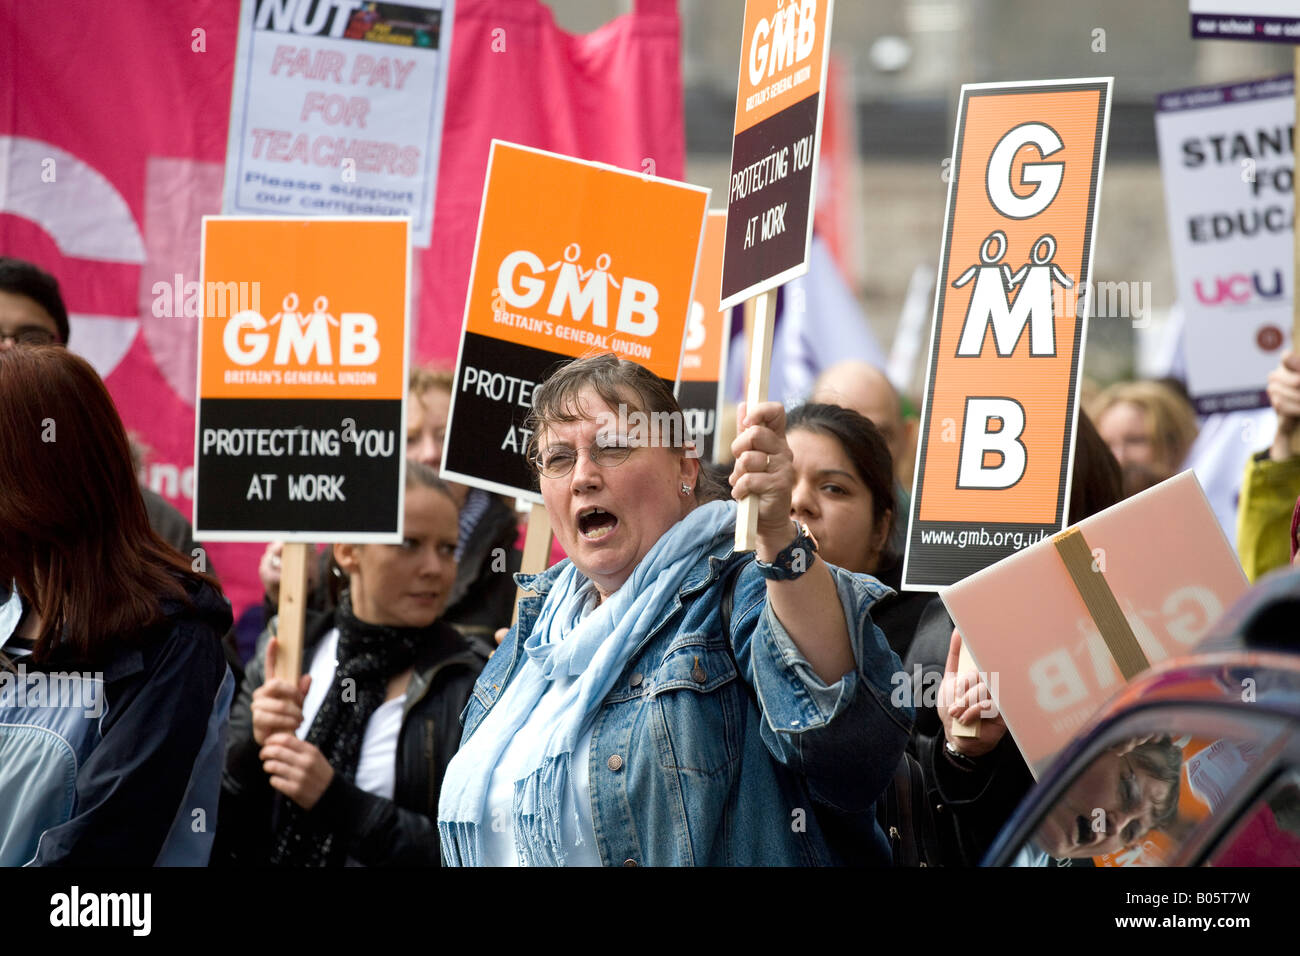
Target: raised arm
807,605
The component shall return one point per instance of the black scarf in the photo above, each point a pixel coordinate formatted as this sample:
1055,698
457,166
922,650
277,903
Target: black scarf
369,655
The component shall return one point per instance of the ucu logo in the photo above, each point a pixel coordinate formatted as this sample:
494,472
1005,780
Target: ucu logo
308,338
1240,288
522,280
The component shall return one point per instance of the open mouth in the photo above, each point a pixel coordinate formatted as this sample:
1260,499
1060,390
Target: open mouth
596,523
1083,833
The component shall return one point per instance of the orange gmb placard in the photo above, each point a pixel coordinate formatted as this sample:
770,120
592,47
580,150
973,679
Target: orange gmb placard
574,257
780,57
1008,337
702,355
303,308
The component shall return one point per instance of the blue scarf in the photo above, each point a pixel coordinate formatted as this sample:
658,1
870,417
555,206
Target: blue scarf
563,644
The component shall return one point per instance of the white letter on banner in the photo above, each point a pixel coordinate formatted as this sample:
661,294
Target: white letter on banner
638,298
304,340
357,342
783,30
532,287
758,53
807,29
976,439
1046,175
988,303
257,340
594,295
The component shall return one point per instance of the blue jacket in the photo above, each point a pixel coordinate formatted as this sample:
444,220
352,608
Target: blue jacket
121,766
685,771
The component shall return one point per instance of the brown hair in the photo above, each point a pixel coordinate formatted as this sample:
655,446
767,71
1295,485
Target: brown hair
866,448
617,382
424,378
1096,482
1173,422
74,534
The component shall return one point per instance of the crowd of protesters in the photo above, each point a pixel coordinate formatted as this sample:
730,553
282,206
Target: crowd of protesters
657,698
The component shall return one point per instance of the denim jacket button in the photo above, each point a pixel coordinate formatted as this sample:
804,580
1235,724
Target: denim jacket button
697,673
615,763
631,863
636,679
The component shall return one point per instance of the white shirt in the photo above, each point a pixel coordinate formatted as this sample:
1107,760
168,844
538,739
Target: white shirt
377,765
498,826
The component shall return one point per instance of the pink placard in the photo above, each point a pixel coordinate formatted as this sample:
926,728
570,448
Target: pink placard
1172,571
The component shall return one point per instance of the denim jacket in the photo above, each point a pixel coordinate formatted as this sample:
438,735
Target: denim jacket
685,771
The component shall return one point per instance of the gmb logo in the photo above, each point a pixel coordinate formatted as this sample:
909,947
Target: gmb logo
304,338
523,279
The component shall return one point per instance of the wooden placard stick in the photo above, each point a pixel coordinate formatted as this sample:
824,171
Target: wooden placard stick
293,609
537,548
964,664
760,365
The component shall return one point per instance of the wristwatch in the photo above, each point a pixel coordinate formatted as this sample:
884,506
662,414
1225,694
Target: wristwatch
956,757
792,560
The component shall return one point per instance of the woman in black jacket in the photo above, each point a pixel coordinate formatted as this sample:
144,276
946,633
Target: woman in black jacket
114,757
346,767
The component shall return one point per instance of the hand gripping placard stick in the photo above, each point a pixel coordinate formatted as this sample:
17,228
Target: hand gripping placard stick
293,609
965,663
760,365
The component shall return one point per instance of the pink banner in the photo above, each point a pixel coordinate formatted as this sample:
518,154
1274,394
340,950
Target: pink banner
113,131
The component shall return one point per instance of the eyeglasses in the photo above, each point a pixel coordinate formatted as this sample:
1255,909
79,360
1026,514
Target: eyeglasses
30,335
558,460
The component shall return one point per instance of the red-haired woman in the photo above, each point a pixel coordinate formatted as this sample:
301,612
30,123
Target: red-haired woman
114,692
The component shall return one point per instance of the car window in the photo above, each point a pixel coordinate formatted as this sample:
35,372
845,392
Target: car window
1149,786
1268,831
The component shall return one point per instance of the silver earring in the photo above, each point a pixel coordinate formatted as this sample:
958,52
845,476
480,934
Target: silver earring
686,489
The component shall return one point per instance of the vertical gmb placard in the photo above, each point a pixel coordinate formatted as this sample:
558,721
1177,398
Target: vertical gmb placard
704,354
779,104
572,257
1000,404
302,379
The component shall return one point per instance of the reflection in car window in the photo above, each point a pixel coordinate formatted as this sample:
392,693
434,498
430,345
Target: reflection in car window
1268,833
1137,799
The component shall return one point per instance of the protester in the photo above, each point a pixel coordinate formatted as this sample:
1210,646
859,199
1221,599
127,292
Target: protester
844,493
1146,424
975,783
483,598
31,308
1272,481
357,749
116,626
865,389
1126,792
621,722
32,312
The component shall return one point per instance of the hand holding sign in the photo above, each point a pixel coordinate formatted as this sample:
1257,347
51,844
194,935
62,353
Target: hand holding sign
765,469
964,698
1284,395
277,704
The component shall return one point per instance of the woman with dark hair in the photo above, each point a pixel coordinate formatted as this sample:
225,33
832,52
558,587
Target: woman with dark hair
663,698
844,493
118,630
345,766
